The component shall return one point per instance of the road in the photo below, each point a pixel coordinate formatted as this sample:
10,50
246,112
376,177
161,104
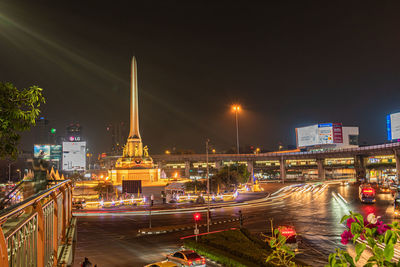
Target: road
313,211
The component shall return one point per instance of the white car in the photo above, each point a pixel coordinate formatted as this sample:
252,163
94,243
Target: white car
187,258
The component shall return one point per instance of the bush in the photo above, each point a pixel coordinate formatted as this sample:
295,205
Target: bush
236,243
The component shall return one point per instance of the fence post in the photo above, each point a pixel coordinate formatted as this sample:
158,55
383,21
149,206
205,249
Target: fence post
55,227
40,234
3,249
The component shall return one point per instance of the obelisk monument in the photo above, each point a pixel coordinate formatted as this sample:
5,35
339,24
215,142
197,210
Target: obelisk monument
135,163
134,144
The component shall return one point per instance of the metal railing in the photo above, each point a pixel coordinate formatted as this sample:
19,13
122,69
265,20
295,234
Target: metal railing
33,230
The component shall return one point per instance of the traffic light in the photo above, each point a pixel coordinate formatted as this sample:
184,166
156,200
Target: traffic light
197,217
53,130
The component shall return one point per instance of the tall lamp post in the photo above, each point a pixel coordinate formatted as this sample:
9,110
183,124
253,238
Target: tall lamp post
9,171
236,109
208,189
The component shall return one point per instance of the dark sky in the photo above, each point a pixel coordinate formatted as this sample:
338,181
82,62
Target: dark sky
288,64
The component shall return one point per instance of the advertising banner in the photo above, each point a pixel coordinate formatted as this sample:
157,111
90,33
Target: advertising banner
319,134
337,133
74,156
325,135
307,136
41,151
393,126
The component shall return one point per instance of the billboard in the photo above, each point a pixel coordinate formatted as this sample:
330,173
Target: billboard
393,126
74,156
337,130
319,134
325,133
41,151
307,136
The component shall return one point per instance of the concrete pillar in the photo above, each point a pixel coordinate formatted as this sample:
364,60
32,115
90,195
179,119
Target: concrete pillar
187,169
397,157
282,163
321,169
250,169
359,166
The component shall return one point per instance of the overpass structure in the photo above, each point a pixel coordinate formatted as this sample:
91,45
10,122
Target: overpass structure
357,158
39,231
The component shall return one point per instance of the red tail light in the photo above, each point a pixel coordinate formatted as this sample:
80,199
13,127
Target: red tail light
203,261
190,262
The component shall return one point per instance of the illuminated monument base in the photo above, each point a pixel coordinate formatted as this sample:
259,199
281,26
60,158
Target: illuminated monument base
135,164
147,176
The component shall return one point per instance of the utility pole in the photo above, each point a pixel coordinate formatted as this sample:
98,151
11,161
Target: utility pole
237,131
151,205
208,188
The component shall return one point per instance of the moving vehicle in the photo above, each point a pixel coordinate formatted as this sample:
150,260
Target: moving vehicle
291,236
397,208
384,189
79,205
366,193
162,264
187,258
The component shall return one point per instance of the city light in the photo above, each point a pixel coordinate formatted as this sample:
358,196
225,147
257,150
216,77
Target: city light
167,152
197,217
236,108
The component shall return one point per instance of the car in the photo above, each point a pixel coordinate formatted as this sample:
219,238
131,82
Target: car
162,264
187,258
79,205
291,236
384,189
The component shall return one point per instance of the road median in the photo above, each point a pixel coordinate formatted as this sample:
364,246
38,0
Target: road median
181,227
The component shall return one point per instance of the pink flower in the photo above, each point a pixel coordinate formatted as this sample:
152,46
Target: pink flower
346,237
349,222
381,227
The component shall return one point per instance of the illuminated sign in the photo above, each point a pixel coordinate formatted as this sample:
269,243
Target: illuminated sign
74,156
319,134
393,126
41,151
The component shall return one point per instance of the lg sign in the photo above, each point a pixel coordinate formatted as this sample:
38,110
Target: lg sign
74,138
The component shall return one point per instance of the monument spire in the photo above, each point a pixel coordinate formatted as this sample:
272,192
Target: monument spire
134,127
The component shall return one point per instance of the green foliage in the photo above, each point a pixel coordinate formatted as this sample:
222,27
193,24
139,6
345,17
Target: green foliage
214,254
235,243
362,229
200,186
230,175
103,188
281,254
18,112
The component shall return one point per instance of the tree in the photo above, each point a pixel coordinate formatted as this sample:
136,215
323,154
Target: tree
230,175
18,112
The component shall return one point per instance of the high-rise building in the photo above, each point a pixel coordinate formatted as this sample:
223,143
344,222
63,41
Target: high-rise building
74,132
42,131
118,133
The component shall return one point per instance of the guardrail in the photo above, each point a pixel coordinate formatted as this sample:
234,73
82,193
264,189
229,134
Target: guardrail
36,231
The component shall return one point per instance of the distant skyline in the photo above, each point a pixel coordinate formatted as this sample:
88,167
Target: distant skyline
287,64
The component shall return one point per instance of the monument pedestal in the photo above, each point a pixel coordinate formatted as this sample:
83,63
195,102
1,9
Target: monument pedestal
147,175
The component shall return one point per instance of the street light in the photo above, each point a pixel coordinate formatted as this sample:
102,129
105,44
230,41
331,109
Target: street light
208,189
9,171
236,109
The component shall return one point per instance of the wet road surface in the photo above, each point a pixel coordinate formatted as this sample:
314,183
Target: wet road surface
314,210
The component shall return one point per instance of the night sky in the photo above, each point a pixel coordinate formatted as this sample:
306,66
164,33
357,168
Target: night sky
288,64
